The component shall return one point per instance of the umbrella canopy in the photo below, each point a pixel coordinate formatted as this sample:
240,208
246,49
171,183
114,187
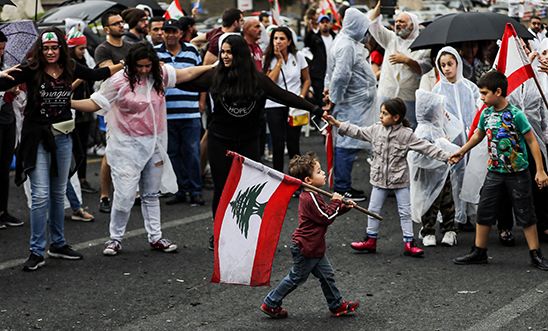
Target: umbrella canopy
461,27
6,2
153,4
21,36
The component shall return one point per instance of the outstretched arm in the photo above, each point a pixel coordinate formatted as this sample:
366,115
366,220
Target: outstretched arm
85,105
188,74
477,137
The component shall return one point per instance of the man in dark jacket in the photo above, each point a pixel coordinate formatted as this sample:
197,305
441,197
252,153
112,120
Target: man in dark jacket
318,43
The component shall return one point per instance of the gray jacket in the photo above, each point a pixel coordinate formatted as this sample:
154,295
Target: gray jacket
389,168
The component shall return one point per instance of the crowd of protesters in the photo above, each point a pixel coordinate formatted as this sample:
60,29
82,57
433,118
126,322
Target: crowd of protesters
172,102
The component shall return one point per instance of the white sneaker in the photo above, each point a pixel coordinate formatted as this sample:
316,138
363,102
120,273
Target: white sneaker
449,239
429,240
112,247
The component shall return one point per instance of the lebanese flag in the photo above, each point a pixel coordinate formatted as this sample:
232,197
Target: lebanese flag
248,222
174,11
275,12
512,61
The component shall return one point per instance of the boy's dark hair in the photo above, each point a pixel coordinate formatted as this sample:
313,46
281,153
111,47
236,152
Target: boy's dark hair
107,15
263,14
492,80
157,19
230,16
302,166
396,106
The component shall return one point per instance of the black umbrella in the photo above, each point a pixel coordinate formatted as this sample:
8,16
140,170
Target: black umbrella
6,2
461,27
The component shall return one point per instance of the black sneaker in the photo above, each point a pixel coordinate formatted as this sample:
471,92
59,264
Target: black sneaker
9,220
211,245
176,199
65,252
476,256
353,195
466,227
197,200
86,187
104,205
537,260
33,262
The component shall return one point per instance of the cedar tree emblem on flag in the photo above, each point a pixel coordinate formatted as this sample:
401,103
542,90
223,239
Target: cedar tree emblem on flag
245,205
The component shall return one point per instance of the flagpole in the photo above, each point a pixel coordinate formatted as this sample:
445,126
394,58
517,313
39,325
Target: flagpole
319,190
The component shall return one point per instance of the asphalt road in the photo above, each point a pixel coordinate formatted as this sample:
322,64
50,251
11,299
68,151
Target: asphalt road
142,290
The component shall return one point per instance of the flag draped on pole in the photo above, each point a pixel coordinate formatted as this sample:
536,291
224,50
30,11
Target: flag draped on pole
275,12
174,11
512,61
248,222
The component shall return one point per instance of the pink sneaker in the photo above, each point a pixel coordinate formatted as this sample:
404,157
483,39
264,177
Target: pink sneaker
368,245
345,308
410,249
164,245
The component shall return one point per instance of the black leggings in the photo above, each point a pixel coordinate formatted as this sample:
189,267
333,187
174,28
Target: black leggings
281,133
82,130
7,145
220,163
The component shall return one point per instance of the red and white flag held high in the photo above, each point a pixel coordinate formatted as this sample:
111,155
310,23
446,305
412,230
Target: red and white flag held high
275,11
174,11
248,222
512,61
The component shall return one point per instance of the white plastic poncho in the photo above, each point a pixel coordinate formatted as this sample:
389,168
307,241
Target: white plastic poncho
137,127
398,80
349,77
428,176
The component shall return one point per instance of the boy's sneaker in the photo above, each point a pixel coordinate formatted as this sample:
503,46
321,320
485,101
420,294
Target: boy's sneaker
64,252
33,262
429,240
104,205
368,245
476,256
345,308
354,194
164,245
9,220
277,312
82,215
112,247
449,239
86,187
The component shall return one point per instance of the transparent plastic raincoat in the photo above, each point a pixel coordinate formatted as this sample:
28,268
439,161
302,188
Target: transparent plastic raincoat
427,175
137,129
350,79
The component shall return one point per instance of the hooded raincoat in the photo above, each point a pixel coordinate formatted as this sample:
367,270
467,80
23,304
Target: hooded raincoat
137,130
427,175
398,80
460,105
351,82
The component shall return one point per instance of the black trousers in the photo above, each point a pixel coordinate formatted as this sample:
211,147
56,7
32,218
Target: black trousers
82,130
220,163
7,146
282,134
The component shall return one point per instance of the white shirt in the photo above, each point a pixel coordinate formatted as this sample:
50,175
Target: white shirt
292,73
327,41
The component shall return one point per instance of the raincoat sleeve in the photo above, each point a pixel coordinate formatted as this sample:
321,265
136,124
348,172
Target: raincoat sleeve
108,93
356,132
424,147
279,95
340,76
170,76
381,34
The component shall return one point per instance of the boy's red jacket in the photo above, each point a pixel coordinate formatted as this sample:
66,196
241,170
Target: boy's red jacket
315,215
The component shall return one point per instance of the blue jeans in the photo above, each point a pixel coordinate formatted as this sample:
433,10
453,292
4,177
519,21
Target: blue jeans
72,197
302,268
48,196
376,201
343,161
183,148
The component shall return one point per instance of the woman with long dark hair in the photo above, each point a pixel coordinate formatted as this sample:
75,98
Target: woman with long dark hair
135,108
239,94
46,148
289,70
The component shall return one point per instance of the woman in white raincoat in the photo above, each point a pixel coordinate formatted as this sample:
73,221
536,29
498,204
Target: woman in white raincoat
430,185
352,88
135,108
461,96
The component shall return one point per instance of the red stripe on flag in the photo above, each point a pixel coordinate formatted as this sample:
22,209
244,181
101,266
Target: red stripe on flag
519,77
178,5
228,191
269,235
